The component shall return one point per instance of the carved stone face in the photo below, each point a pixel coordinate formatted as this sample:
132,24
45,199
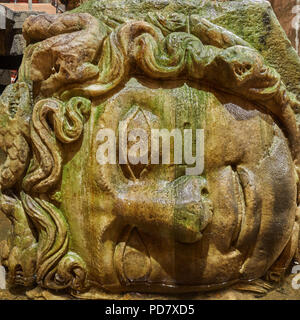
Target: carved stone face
151,227
174,232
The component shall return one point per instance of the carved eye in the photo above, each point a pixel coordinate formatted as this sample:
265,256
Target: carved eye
137,125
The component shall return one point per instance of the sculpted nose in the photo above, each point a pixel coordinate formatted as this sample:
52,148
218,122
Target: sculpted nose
193,209
181,208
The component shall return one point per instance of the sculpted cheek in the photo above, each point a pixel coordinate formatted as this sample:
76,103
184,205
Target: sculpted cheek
277,183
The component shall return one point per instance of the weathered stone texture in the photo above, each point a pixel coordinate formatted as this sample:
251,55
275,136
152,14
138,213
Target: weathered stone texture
96,229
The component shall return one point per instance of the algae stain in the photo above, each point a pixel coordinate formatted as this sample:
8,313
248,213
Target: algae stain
99,110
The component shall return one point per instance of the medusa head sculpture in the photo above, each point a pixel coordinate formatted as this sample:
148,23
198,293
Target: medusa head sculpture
99,229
